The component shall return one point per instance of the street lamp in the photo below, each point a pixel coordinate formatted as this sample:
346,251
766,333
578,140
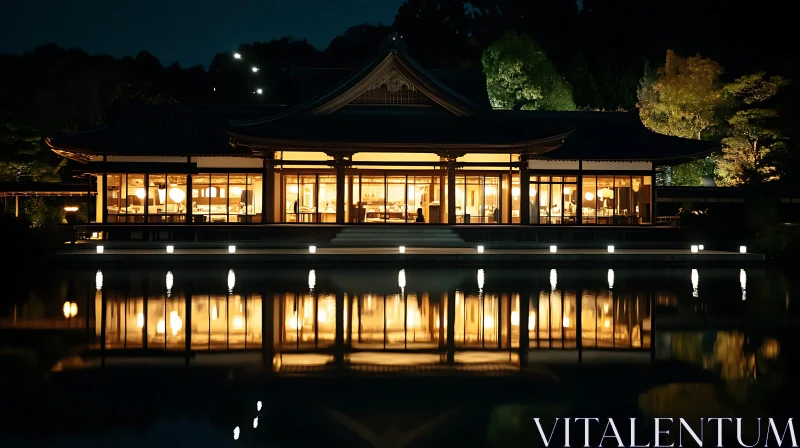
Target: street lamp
237,56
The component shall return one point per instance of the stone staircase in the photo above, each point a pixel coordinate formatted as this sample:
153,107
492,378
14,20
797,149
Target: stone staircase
384,236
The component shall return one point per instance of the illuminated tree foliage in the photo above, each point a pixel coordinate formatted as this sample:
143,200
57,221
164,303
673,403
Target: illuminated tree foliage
683,99
754,143
519,75
21,154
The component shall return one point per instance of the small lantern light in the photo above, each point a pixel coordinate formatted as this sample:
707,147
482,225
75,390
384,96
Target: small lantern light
170,249
701,247
231,249
553,249
742,249
694,249
100,249
480,249
312,249
611,249
402,249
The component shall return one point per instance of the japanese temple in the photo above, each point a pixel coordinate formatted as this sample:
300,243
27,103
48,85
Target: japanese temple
390,142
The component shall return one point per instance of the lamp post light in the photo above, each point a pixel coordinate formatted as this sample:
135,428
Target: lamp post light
480,249
611,249
553,249
237,56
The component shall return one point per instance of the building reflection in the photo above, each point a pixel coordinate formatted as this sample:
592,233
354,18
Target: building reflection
400,318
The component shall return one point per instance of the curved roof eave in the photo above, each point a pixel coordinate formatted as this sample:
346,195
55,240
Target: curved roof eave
545,144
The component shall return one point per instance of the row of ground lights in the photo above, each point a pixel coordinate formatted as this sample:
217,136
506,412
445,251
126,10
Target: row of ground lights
553,249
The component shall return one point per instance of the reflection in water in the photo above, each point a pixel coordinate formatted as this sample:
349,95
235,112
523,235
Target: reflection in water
743,283
321,313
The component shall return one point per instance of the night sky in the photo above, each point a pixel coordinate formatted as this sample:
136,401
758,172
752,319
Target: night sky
188,31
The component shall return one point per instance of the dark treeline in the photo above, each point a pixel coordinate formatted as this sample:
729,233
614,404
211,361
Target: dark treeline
601,49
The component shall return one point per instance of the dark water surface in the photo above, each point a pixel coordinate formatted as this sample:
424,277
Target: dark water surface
367,357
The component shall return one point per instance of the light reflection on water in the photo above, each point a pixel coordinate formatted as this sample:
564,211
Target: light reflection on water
697,316
302,310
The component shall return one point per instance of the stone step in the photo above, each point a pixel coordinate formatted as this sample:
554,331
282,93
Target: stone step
394,236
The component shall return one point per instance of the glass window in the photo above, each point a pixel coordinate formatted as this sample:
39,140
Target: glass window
515,199
396,199
373,198
589,200
605,199
157,197
327,198
201,201
114,202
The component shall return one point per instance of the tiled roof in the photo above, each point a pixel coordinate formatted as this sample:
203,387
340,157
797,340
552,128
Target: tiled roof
163,130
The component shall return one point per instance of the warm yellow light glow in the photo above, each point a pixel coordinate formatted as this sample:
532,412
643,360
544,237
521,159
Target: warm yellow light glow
177,195
294,323
211,192
515,318
293,189
236,191
488,322
567,191
566,322
605,308
515,191
532,191
607,323
160,327
140,320
214,313
70,309
238,323
532,320
175,322
70,208
488,190
589,196
322,316
140,193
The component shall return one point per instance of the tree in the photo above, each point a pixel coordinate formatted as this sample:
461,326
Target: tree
21,154
751,149
684,98
519,75
584,88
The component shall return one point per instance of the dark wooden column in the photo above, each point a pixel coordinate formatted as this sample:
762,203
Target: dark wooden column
187,294
451,328
524,192
188,199
451,190
524,336
268,192
338,346
268,304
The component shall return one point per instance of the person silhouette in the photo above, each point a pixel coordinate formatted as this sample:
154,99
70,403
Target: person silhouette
420,217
